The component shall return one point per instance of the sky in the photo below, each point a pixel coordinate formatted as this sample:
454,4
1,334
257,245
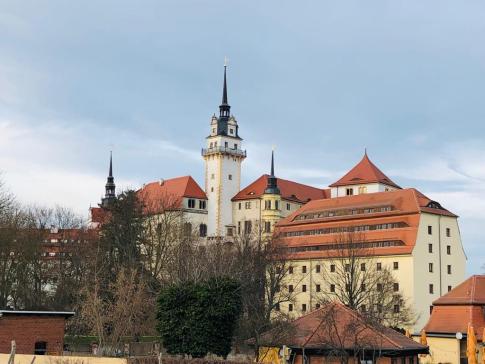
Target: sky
321,80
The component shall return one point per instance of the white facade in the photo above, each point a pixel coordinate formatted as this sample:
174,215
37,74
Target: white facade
223,157
359,189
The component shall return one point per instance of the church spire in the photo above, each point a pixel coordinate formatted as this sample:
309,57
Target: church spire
272,186
224,108
110,187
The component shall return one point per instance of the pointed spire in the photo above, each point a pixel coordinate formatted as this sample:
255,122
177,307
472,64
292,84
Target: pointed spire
110,187
272,185
224,108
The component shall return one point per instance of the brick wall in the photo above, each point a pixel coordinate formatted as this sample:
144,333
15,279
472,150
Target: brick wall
26,330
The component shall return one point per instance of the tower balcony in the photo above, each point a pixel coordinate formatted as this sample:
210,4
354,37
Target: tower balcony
223,150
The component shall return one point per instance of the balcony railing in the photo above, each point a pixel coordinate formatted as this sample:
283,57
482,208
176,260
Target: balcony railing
224,150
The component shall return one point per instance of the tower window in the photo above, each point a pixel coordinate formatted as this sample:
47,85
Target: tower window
212,189
230,177
267,205
276,205
430,267
235,146
448,249
231,131
191,203
213,130
431,289
448,232
448,268
430,248
213,176
202,230
430,230
349,191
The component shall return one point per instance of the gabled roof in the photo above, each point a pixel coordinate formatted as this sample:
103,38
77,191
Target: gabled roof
167,194
469,292
335,326
175,187
461,306
290,190
364,172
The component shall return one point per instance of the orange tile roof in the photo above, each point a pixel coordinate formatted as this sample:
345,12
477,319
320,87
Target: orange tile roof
290,190
469,292
99,215
462,305
364,172
337,326
405,208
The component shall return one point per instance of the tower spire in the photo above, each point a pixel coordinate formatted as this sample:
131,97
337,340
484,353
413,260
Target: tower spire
272,186
224,108
110,187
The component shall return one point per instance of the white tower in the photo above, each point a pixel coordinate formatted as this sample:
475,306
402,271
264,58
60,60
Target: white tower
223,157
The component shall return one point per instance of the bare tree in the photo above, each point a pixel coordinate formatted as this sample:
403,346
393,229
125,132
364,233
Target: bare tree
355,279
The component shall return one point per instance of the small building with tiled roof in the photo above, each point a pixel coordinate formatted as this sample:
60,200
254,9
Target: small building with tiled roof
451,314
334,331
400,229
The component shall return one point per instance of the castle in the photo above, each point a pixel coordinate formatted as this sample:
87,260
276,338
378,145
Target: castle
412,235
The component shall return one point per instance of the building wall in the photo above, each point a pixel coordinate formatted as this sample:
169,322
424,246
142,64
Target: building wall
48,359
442,350
27,330
439,277
341,191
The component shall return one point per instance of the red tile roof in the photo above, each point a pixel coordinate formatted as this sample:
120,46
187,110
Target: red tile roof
405,206
469,292
335,326
99,215
364,172
167,194
462,305
290,190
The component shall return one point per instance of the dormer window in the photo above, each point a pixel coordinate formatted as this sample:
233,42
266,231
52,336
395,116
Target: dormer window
349,191
191,203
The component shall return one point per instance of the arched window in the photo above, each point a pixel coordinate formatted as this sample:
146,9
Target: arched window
202,230
40,348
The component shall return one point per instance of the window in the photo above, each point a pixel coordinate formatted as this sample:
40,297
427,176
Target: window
448,249
277,205
212,189
318,288
347,267
349,191
226,144
213,176
247,205
267,204
430,309
203,230
430,230
362,189
187,228
379,266
277,307
230,231
230,177
202,204
379,287
290,307
395,287
362,267
290,270
362,287
448,268
347,287
290,288
448,232
317,305
395,265
332,268
267,226
40,348
430,248
213,131
449,288
431,289
332,288
231,131
303,269
191,203
235,146
396,308
317,268
303,307
288,206
430,267
240,205
247,227
303,288
239,227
